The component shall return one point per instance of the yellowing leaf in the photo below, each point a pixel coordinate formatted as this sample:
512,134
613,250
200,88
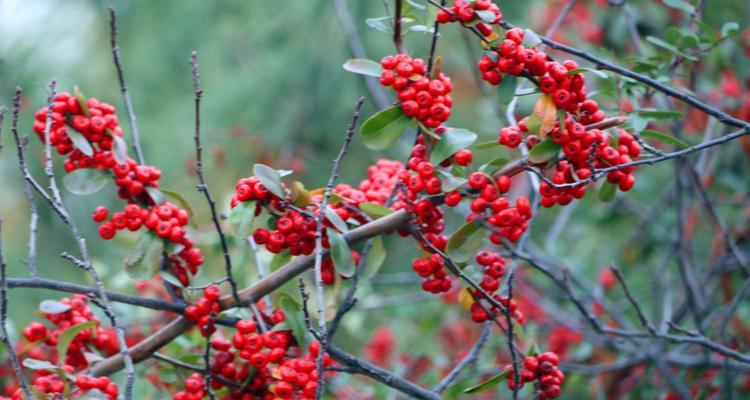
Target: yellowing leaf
546,111
464,299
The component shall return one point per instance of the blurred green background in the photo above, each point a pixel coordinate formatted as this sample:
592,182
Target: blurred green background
275,92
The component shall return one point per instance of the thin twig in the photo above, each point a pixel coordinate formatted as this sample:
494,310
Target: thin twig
4,313
468,359
203,187
319,242
123,88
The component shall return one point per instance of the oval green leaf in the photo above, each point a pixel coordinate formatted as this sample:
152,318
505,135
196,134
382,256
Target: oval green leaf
143,261
488,383
384,128
375,257
80,142
269,178
85,180
506,90
374,210
240,219
464,243
453,140
341,254
543,151
53,307
664,138
119,149
607,192
67,336
363,66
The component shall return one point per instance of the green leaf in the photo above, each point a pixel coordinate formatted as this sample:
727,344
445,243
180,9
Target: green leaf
451,182
533,124
382,24
341,254
464,243
156,195
280,259
34,364
495,164
680,5
269,178
363,66
530,38
543,151
167,277
375,257
729,29
453,140
597,72
53,307
82,101
664,138
607,192
240,219
506,90
488,383
486,16
384,128
658,114
67,336
335,219
119,149
143,261
374,210
661,43
293,314
85,181
80,142
486,145
179,199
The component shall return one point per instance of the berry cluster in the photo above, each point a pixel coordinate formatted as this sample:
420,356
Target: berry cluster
511,222
584,149
482,12
425,99
167,220
432,268
95,128
75,311
267,365
204,311
102,339
294,231
543,370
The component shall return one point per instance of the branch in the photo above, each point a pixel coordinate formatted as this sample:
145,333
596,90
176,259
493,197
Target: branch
363,367
123,87
470,358
398,40
319,221
203,187
4,305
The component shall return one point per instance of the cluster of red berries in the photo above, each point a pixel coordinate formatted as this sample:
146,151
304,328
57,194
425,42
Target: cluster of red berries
432,268
294,231
167,220
493,269
382,177
578,144
469,12
425,99
98,125
102,339
543,370
511,222
268,363
50,383
102,384
205,310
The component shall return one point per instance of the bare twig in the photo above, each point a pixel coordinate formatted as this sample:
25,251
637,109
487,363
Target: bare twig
202,186
4,313
469,359
123,87
319,241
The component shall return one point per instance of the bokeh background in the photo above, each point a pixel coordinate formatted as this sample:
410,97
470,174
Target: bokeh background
275,92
